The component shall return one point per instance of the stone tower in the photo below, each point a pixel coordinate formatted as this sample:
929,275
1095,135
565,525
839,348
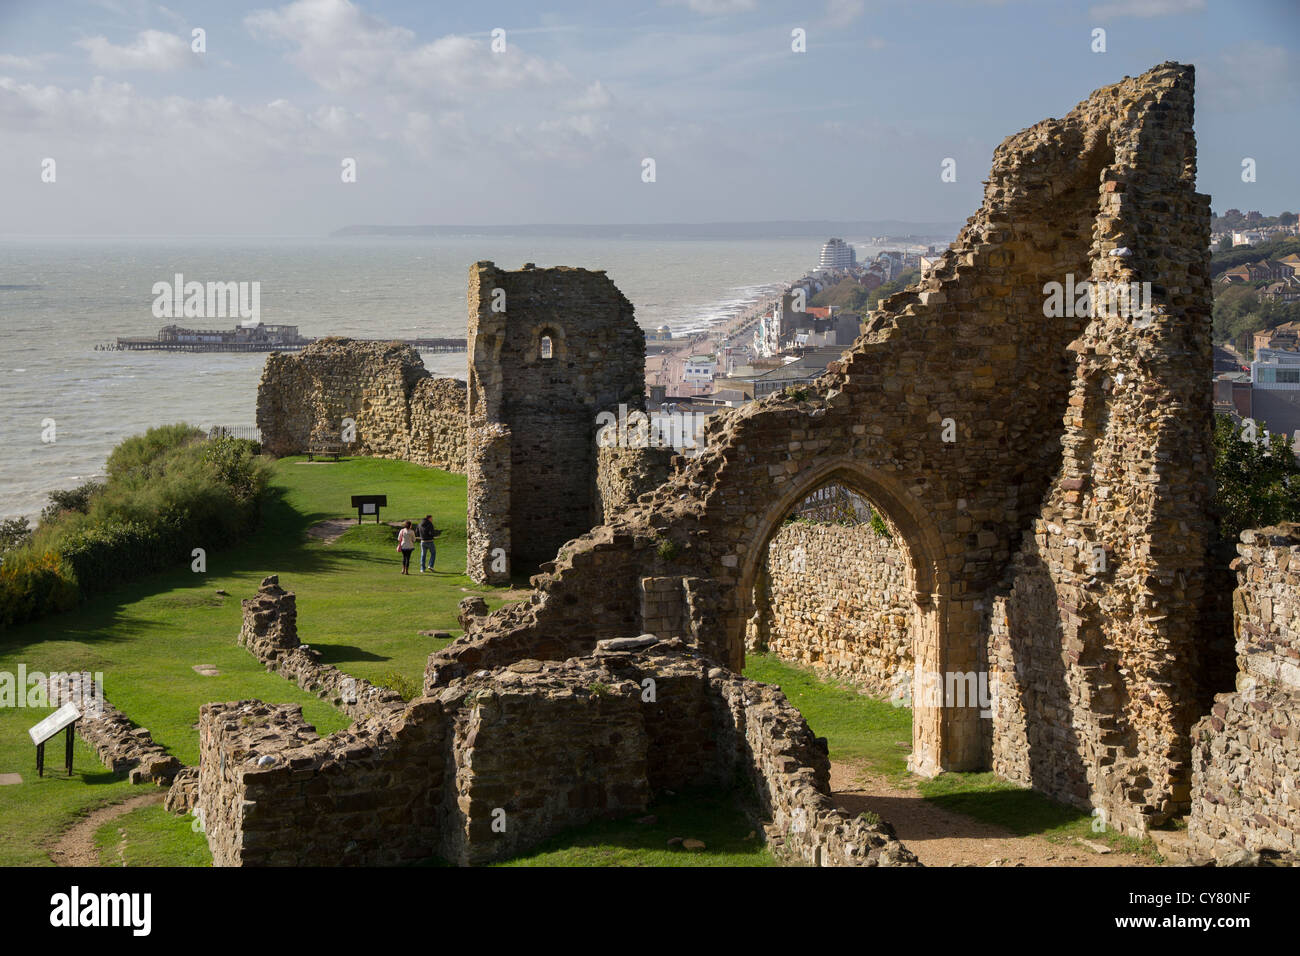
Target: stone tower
549,349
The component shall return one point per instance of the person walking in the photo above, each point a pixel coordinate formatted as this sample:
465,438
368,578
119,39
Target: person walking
406,544
427,547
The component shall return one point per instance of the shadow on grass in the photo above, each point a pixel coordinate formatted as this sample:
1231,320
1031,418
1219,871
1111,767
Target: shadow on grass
334,653
983,797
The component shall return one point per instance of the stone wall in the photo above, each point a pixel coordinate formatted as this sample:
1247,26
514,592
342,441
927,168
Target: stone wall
625,474
543,407
399,410
1005,446
836,597
496,762
1246,751
270,632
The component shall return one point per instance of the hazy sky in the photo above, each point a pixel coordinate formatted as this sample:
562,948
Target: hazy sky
248,137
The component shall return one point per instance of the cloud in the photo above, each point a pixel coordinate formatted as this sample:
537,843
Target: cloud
840,13
342,48
1145,8
714,8
152,50
594,97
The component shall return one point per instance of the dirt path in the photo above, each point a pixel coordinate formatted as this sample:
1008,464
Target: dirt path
941,838
330,530
76,845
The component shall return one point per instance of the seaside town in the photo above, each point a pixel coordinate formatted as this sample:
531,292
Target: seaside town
785,340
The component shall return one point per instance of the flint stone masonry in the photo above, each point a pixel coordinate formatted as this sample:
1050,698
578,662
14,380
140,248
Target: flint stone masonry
1246,751
533,748
270,633
1071,433
625,474
123,747
400,411
532,417
835,597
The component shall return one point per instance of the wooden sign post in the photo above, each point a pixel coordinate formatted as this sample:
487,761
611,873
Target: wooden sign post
65,718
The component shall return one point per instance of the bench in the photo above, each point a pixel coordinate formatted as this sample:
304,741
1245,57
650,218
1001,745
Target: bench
319,449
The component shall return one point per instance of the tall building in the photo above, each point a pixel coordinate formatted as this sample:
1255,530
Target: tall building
838,254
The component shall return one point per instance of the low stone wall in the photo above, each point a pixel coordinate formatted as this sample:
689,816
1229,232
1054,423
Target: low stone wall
119,744
500,760
122,746
1246,752
836,597
270,632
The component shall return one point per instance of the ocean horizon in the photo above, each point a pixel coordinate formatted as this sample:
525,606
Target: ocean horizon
62,297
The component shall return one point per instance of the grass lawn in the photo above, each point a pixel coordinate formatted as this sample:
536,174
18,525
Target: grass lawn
146,638
150,836
877,736
714,819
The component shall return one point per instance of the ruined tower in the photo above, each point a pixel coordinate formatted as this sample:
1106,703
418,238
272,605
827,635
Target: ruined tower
549,349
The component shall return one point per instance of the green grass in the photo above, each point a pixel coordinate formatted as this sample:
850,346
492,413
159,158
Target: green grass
150,836
859,729
876,736
712,818
146,638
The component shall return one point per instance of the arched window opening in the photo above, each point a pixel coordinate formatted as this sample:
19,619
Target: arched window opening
546,349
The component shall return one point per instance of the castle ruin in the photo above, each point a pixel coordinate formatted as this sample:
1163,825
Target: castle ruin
1045,475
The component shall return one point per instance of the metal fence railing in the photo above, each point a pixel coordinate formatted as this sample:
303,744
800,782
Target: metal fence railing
251,432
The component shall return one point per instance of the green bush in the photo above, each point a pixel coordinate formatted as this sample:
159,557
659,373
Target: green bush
32,585
168,492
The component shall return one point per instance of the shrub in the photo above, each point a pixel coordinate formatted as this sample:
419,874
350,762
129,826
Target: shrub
33,585
168,492
667,549
77,499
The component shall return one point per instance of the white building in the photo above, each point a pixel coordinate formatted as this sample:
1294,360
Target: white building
838,254
699,370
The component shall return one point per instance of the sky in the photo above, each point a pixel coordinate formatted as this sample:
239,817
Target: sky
251,134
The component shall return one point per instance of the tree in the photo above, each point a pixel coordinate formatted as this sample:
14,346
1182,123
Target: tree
1257,483
14,532
1286,218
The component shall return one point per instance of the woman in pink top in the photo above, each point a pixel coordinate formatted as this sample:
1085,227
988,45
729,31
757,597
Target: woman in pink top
406,544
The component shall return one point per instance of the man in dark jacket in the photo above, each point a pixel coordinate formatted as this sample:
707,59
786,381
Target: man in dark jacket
427,548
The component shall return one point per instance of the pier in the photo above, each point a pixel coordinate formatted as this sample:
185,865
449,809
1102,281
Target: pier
163,345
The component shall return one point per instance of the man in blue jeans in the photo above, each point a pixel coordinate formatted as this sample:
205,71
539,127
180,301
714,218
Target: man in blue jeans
427,548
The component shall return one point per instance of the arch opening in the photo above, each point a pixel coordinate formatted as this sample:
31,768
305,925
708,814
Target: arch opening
846,576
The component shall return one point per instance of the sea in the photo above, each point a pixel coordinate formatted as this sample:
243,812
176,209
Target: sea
64,404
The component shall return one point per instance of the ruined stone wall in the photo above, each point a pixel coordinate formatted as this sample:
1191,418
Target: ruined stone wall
1095,642
438,425
399,410
1003,444
625,474
1246,751
496,762
270,632
548,404
836,598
